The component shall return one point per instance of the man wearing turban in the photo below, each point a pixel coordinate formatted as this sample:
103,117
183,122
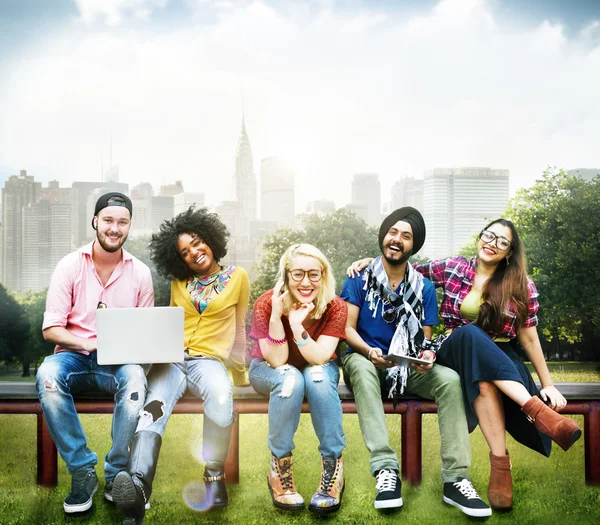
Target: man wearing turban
391,313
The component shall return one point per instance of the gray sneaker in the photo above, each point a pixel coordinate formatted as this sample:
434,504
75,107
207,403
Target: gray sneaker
84,485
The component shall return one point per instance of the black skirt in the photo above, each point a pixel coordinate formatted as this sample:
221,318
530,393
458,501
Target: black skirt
476,357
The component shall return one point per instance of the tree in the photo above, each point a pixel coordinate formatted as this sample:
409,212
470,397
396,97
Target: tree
139,247
33,304
14,328
342,236
559,221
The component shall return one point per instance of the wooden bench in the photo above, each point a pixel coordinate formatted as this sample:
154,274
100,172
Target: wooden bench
21,398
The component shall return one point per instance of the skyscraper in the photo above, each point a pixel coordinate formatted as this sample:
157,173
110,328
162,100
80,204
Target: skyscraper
407,191
18,193
277,191
245,185
457,203
366,197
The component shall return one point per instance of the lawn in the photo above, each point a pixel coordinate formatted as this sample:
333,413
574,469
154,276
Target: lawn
547,490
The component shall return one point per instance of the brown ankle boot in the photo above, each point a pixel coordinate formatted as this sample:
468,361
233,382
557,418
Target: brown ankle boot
500,493
562,430
281,484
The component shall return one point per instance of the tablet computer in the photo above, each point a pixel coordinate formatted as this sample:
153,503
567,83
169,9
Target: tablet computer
405,360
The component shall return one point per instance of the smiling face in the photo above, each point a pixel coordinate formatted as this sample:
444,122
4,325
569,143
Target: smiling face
398,243
112,227
196,254
305,290
489,252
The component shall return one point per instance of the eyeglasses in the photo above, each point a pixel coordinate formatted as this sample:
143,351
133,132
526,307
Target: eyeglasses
502,243
314,276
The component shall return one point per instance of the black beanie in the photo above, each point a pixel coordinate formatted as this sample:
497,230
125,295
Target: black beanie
102,203
410,215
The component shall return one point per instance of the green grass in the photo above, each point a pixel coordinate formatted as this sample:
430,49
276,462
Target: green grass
547,491
571,371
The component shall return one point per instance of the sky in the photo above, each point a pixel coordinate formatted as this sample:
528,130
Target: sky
393,87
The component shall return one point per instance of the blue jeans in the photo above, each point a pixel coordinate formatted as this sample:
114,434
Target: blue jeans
66,373
287,386
207,379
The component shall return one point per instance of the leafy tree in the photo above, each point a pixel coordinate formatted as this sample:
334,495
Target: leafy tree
14,328
34,304
139,247
341,235
559,221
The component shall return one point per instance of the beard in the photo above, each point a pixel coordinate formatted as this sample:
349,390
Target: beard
109,247
397,262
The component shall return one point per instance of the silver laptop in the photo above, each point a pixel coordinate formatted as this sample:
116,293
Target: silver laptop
139,335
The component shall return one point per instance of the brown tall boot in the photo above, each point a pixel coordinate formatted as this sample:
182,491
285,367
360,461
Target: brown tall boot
562,430
500,493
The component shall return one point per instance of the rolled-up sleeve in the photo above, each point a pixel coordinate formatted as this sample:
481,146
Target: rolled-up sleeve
59,301
532,306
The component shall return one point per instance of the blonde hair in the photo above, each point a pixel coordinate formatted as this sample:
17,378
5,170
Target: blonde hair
327,291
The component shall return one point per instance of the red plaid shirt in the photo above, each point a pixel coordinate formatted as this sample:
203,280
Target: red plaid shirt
456,276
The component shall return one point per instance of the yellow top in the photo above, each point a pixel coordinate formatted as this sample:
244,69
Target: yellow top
470,309
220,331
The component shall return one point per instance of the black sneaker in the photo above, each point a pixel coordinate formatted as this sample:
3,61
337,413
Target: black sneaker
84,485
108,491
461,494
389,490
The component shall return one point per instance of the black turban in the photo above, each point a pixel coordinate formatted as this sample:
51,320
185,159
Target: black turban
410,215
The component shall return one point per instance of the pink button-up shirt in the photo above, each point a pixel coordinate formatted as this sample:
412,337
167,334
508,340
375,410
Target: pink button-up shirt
76,290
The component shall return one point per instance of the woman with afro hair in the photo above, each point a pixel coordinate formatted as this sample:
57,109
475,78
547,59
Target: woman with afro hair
187,250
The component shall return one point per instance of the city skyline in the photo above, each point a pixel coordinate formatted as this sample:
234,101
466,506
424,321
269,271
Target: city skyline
403,88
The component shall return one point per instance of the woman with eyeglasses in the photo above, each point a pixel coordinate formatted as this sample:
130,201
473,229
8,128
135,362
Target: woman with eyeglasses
489,302
297,326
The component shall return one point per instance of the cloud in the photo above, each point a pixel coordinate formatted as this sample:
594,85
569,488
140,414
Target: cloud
114,12
335,91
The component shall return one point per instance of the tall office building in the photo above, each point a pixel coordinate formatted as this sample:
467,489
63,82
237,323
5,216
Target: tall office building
245,185
321,206
182,201
366,197
170,190
277,191
162,209
18,193
457,203
584,173
407,191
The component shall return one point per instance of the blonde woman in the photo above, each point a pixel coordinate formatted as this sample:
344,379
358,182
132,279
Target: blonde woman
297,327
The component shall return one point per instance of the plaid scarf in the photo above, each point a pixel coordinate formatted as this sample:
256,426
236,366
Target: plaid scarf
407,313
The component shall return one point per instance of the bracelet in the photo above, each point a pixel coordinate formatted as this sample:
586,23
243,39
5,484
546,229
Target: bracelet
276,342
301,343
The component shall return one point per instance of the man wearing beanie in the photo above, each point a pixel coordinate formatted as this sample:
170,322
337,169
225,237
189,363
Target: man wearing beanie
391,311
99,275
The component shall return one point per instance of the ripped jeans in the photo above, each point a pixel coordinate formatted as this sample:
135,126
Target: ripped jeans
207,379
287,386
66,373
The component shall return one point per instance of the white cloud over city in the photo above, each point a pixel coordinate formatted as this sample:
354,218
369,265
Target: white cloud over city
335,91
